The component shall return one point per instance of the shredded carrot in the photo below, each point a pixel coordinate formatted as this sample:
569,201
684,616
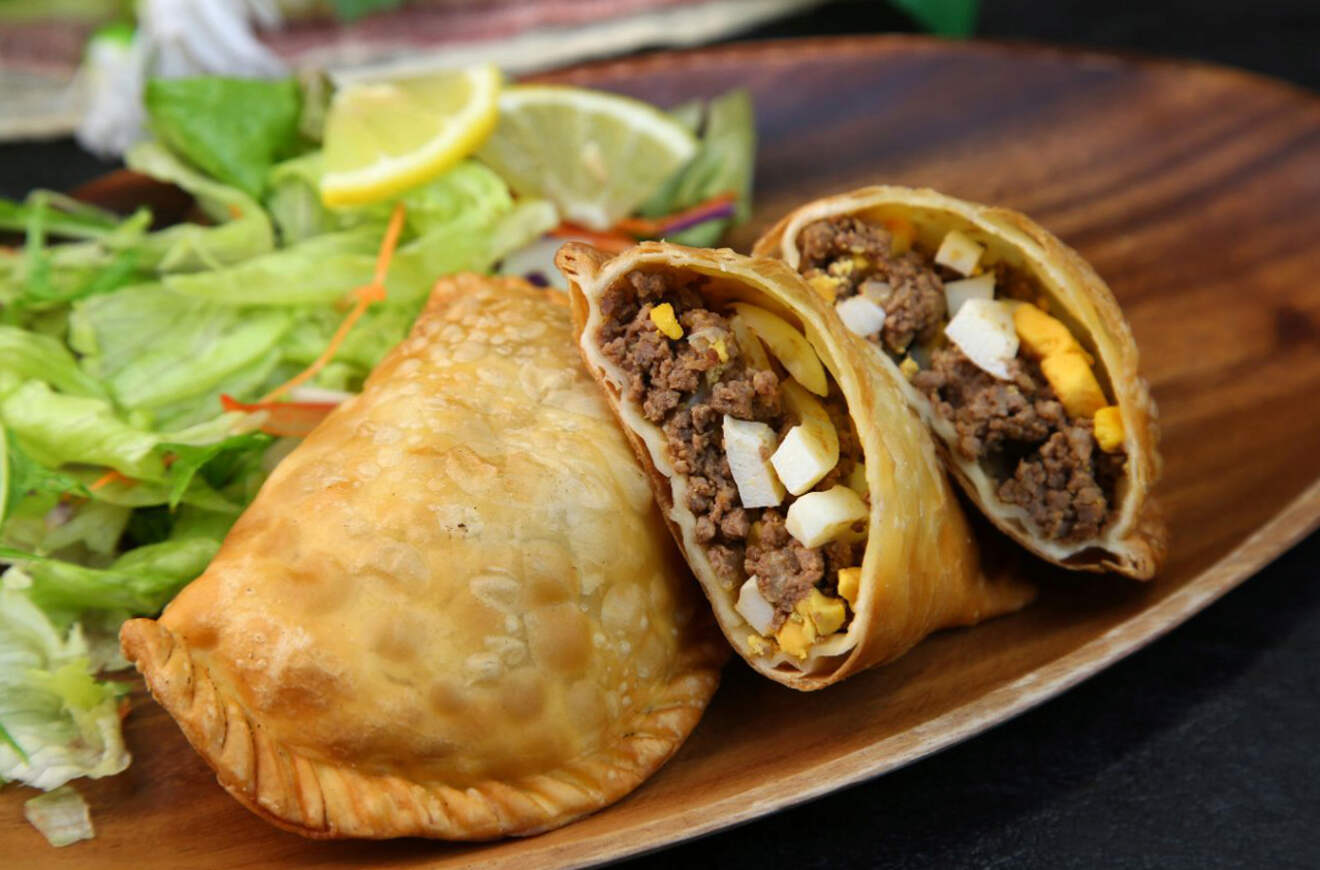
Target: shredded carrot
111,476
609,241
362,298
643,227
294,419
235,212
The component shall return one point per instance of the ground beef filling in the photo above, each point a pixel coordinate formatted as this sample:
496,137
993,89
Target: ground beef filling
860,259
1049,463
686,388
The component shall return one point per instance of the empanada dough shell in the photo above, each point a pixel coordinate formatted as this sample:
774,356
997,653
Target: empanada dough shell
922,570
452,611
1136,541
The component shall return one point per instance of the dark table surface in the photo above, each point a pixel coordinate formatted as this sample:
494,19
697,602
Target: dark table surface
1202,750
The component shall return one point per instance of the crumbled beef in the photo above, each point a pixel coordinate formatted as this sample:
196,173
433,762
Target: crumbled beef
987,412
1057,486
1050,463
785,570
860,258
686,388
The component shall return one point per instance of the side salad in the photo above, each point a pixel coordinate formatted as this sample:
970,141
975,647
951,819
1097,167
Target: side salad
151,377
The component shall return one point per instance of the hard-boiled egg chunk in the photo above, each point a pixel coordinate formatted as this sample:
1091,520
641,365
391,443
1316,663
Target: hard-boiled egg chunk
826,614
850,582
748,446
958,292
804,457
1109,430
1042,335
788,345
811,448
983,330
861,315
817,518
959,253
665,321
796,636
1074,383
752,606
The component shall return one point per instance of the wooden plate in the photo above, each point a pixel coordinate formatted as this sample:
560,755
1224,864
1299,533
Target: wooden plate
1195,191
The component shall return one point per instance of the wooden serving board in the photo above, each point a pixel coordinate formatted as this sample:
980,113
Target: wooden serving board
1195,191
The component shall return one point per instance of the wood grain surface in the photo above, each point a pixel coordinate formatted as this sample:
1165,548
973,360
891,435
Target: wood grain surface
1195,191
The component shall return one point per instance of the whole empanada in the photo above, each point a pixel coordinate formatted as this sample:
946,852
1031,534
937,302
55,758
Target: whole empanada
1053,432
804,492
452,611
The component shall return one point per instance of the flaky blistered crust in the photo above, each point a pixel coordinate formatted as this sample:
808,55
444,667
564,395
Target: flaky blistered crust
452,611
921,571
1136,542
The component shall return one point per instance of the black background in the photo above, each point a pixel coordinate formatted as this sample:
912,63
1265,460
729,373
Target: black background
1203,750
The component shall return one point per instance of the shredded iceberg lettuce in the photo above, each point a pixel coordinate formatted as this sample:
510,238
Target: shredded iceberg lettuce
62,816
59,721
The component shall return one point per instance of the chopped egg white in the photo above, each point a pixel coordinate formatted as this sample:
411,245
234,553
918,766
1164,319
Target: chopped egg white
861,315
959,253
817,518
748,445
804,456
753,607
983,330
958,292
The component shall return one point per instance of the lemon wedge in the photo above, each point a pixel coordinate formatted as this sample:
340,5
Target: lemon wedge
596,156
382,138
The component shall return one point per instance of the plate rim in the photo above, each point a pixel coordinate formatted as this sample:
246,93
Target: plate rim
1267,542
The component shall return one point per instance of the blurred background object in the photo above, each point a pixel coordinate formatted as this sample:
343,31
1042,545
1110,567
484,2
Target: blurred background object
80,64
69,65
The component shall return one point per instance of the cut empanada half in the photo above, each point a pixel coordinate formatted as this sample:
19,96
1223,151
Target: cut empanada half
453,610
804,492
1013,350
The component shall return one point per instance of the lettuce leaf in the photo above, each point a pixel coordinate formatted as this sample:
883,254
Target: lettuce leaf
59,722
33,356
454,223
152,493
215,461
242,228
62,816
56,429
141,581
65,216
319,271
92,530
155,348
233,129
22,476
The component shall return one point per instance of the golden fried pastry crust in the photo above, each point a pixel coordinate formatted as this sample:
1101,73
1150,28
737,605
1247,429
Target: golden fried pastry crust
453,610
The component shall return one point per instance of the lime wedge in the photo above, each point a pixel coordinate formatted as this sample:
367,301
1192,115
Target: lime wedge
596,156
382,138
